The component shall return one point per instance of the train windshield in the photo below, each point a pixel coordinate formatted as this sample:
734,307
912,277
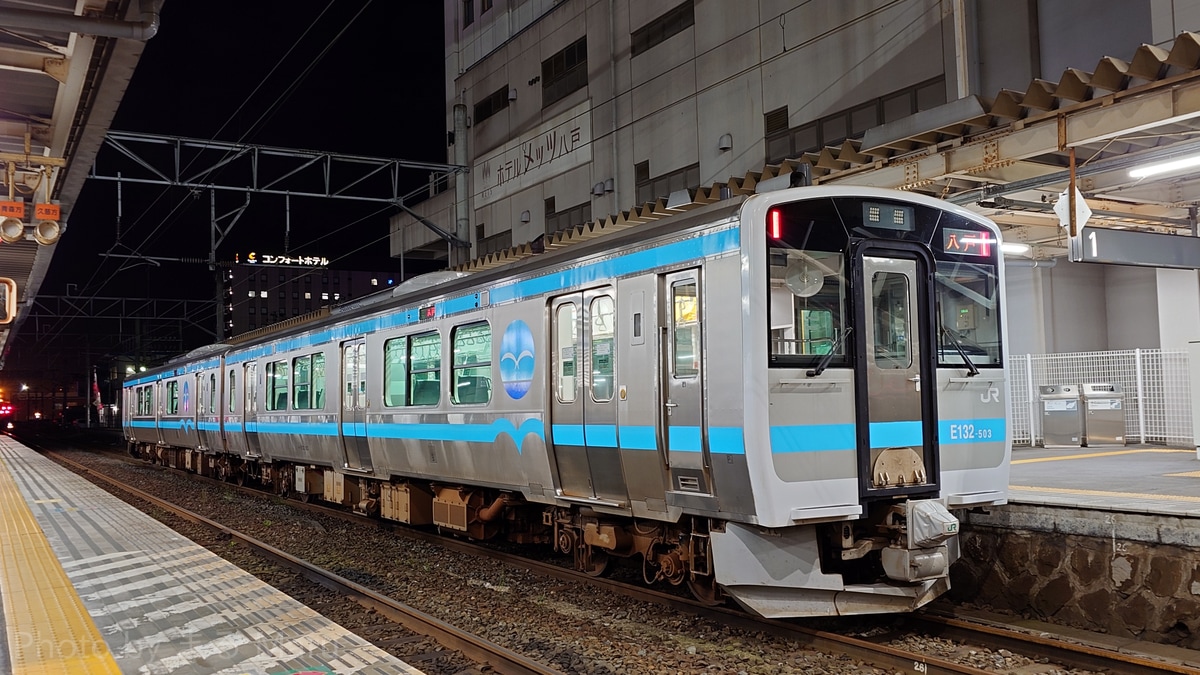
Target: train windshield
810,286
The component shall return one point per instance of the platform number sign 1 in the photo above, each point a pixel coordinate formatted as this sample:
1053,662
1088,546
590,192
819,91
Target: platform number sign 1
8,300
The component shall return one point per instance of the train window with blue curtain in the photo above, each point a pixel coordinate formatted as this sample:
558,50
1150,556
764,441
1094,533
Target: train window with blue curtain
277,385
395,371
425,369
565,337
471,381
172,398
603,336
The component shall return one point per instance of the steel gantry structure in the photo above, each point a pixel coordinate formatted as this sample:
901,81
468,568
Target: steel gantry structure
219,166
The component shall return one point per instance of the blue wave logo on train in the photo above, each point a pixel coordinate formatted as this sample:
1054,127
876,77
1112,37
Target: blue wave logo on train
517,359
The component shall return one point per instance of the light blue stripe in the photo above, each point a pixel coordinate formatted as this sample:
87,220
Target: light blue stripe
689,249
897,434
988,430
567,434
708,244
298,428
726,440
638,438
460,304
142,424
830,437
600,435
209,426
476,433
684,439
812,438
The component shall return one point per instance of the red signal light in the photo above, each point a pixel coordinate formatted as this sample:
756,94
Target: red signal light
776,220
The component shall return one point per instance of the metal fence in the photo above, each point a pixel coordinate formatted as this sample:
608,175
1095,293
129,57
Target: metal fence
1157,391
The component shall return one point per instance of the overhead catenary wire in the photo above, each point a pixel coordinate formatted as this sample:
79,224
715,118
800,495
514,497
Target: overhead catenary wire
88,287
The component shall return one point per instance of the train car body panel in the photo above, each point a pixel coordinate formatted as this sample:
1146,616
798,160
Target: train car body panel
768,398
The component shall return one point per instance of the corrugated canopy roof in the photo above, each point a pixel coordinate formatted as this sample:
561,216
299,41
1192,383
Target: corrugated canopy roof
1008,157
61,81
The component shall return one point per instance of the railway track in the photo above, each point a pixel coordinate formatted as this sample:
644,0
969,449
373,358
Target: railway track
873,650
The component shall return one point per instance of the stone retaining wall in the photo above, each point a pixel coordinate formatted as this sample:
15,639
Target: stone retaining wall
1127,575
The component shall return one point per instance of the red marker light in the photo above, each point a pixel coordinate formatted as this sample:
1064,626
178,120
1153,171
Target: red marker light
776,224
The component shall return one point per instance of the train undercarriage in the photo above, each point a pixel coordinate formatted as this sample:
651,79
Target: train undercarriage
675,553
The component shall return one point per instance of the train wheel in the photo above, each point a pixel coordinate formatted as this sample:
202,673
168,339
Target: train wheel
706,590
596,563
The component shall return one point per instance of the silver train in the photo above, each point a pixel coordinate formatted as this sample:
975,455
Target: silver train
779,399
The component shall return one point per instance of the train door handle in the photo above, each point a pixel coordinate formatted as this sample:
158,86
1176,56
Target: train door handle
915,378
669,405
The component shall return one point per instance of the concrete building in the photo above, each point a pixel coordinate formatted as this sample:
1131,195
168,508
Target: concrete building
264,293
571,111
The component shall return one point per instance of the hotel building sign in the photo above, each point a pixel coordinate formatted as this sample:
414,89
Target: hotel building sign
555,147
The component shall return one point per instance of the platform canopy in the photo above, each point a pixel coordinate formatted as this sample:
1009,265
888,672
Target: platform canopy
64,67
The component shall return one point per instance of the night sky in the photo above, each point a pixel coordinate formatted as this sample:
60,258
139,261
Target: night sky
347,76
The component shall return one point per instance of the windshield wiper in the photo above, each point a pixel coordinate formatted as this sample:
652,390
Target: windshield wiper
825,360
972,371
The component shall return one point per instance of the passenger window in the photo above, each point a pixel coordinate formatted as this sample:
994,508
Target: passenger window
172,398
603,319
301,382
232,391
471,381
425,362
686,324
891,343
564,353
212,393
277,385
395,371
318,382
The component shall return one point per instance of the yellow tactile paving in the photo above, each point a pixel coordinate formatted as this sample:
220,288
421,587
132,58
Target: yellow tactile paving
49,630
1093,455
1104,493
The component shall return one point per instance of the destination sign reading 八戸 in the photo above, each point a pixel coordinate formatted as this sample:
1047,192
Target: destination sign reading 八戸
1126,247
967,242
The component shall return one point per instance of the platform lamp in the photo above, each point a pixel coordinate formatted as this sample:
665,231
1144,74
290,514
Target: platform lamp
47,232
12,230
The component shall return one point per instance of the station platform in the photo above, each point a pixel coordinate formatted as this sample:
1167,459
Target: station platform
1140,479
91,585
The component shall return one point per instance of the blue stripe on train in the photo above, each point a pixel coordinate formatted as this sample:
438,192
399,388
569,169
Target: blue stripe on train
722,440
712,243
832,437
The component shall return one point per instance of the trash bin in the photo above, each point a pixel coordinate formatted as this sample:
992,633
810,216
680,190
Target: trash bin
1104,414
1062,420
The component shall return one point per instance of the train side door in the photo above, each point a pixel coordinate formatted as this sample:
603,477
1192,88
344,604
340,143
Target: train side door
895,393
353,428
159,410
583,406
250,408
682,376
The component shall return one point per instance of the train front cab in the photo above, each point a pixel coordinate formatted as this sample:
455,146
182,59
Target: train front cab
882,406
